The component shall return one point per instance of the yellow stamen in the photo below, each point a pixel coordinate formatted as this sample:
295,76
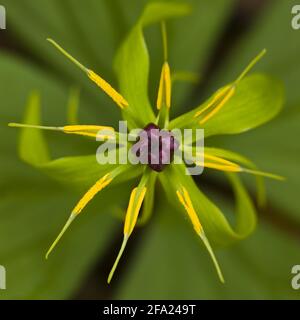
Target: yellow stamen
218,159
134,206
220,105
165,88
217,102
108,89
97,187
105,86
133,210
219,94
229,166
90,131
220,167
185,200
83,130
224,94
219,164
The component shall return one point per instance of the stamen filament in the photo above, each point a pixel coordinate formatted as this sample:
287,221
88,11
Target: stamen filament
264,174
226,165
251,65
89,195
83,130
224,95
70,57
64,229
185,200
100,82
21,125
113,269
213,257
219,106
165,39
136,199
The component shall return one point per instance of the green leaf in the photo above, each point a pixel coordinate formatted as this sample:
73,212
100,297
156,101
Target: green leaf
257,100
132,63
214,222
32,146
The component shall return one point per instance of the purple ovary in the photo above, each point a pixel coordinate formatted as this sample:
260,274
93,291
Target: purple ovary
155,147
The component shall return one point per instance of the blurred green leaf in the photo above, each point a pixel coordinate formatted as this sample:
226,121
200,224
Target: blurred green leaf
27,231
32,148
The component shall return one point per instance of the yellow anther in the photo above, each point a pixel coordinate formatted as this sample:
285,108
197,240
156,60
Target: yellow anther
165,88
90,131
223,95
105,86
108,89
217,103
97,187
186,201
136,199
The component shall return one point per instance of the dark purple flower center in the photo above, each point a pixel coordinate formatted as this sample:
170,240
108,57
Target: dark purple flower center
155,147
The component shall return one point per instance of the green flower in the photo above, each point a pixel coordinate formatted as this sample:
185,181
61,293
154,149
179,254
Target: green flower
241,105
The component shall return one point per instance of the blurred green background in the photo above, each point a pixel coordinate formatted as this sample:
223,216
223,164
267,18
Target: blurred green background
164,259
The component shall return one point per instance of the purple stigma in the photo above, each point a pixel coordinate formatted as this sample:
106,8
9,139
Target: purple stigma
155,147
